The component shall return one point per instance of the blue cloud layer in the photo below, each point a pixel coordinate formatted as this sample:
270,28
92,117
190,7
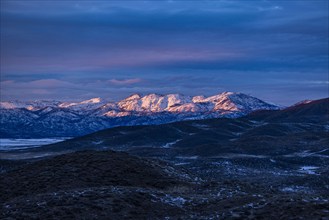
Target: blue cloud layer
250,46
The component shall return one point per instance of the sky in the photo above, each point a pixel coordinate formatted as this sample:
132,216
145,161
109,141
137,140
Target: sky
75,50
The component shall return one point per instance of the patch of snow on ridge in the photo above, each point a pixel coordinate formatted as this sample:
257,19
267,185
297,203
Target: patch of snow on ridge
90,104
93,100
153,103
132,103
201,126
199,98
168,145
303,102
133,97
29,105
7,105
173,201
308,169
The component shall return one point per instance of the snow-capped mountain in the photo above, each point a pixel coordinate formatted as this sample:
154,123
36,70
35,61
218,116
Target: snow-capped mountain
55,118
225,102
31,105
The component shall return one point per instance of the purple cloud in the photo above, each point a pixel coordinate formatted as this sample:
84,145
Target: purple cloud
125,81
84,49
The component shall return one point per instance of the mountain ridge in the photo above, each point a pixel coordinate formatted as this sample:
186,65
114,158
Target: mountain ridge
152,98
271,133
69,119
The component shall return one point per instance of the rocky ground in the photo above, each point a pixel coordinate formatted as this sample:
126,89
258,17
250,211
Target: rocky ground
113,185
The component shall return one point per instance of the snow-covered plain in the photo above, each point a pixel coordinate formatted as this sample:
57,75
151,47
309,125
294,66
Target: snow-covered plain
16,144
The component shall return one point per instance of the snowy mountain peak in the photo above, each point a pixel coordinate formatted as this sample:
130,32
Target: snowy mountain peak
133,97
198,98
87,105
154,103
229,93
243,102
29,105
152,96
231,101
8,105
93,100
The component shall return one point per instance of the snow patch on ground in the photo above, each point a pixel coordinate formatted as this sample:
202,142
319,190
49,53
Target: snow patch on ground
307,153
233,155
308,169
173,201
188,158
201,126
293,189
15,144
168,145
97,142
182,163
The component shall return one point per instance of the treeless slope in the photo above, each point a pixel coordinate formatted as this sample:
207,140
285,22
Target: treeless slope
87,169
315,111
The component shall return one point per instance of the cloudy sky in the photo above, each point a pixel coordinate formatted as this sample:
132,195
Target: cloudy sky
74,50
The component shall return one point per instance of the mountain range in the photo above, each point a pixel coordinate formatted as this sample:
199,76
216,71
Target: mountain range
267,163
37,119
284,132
